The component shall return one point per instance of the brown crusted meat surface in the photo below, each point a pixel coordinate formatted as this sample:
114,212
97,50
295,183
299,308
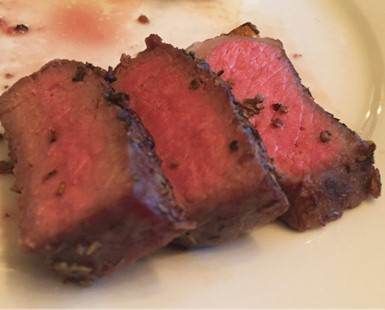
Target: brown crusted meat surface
214,160
92,196
325,166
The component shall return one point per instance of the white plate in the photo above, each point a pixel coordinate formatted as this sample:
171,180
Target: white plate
343,54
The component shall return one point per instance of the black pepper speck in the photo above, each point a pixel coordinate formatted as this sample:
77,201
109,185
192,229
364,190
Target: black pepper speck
234,145
277,122
325,136
21,28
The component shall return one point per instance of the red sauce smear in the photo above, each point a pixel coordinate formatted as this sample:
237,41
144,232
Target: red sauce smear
86,22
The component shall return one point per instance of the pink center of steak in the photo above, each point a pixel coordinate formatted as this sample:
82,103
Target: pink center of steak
293,136
65,173
213,158
190,142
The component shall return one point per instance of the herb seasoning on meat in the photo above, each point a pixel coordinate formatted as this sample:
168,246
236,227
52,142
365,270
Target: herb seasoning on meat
254,105
277,122
61,189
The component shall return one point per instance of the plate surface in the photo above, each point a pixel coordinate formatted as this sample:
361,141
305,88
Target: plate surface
342,62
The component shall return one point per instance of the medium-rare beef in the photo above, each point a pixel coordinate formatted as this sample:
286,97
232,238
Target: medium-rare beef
92,195
213,158
325,166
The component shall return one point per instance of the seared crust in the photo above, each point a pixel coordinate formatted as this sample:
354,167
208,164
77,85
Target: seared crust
93,197
242,190
320,196
247,29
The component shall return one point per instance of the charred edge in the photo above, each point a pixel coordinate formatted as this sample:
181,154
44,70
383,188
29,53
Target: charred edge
366,153
371,148
120,99
175,213
89,65
149,142
191,54
81,71
79,74
143,140
201,64
110,75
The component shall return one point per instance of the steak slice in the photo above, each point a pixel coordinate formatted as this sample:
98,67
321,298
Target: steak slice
325,166
92,195
214,160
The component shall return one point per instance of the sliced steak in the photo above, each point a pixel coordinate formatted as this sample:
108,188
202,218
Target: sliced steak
325,166
92,195
214,160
